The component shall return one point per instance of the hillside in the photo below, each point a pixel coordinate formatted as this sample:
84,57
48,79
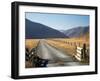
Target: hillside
76,32
37,30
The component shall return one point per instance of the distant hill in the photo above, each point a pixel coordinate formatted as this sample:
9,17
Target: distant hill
37,30
86,36
76,32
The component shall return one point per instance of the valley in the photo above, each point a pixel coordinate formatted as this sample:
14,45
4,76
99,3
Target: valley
59,51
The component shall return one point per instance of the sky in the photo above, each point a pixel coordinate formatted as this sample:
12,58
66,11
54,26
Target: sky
58,21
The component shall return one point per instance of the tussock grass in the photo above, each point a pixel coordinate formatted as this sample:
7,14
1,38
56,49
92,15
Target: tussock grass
63,46
69,44
31,43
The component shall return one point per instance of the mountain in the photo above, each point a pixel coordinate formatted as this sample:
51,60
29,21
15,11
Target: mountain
37,30
76,32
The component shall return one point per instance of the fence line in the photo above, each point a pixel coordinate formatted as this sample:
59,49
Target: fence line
81,48
80,44
82,53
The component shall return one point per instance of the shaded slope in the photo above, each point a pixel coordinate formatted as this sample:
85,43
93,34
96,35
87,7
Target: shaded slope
37,30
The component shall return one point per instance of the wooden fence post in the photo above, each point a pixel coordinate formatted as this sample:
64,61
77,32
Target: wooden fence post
81,53
84,51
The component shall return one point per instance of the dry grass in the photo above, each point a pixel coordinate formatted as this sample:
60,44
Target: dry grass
31,43
74,41
69,44
64,47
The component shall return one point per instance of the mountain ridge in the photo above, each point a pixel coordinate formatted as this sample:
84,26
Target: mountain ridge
38,30
76,32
